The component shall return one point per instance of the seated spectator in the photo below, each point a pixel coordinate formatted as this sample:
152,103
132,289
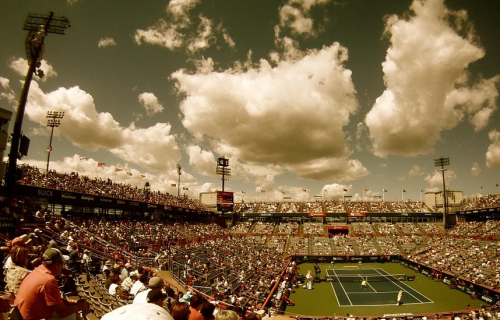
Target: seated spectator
154,283
39,296
180,311
207,311
139,285
152,309
17,271
195,305
226,315
129,282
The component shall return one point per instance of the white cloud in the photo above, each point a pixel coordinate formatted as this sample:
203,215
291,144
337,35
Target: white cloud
203,38
295,15
286,115
493,153
20,66
415,171
425,73
153,148
202,161
475,171
106,42
435,180
174,31
150,103
8,93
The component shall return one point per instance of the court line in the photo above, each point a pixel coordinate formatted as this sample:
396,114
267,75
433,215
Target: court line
375,305
407,286
342,288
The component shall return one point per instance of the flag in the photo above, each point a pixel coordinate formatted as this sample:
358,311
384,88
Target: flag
243,192
101,164
421,190
173,185
496,184
118,169
385,190
49,149
345,190
83,158
404,190
304,190
365,190
262,190
185,188
282,191
143,176
129,173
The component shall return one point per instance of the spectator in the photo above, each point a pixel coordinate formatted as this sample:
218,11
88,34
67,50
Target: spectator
154,283
18,270
195,305
180,311
151,310
39,296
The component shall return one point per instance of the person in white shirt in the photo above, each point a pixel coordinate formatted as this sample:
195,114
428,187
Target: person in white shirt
152,310
154,283
139,285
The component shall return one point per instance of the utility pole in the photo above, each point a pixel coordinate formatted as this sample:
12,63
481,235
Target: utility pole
54,121
441,162
39,26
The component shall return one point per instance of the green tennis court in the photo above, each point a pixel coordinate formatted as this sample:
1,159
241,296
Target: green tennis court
381,288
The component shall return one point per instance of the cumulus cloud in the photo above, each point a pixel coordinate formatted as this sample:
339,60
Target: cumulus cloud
154,148
435,180
493,153
428,88
291,115
20,66
475,170
106,42
174,31
202,161
150,103
415,171
295,15
334,191
7,94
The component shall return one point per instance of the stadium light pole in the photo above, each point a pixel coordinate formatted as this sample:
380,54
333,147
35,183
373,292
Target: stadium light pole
54,121
441,162
223,169
38,26
179,172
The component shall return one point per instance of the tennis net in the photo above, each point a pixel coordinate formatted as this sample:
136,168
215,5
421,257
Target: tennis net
369,278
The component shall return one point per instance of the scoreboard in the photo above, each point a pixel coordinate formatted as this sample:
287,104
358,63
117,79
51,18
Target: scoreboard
225,201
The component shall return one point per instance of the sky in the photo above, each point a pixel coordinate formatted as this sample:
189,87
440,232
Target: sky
306,98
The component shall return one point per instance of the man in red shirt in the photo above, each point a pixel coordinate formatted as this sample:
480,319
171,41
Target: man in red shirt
39,296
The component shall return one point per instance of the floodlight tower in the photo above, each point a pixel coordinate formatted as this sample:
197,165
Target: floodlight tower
39,26
441,162
54,121
179,172
223,169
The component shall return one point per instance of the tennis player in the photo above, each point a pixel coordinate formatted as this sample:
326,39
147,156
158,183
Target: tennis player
400,295
363,284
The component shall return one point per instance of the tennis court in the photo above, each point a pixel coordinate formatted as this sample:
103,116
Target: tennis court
382,288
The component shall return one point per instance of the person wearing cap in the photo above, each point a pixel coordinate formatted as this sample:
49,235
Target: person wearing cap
154,283
39,296
152,309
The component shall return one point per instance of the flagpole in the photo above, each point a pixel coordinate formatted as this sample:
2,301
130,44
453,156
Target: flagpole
383,194
363,194
402,196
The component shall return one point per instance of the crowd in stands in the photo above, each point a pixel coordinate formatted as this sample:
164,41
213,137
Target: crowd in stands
33,176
